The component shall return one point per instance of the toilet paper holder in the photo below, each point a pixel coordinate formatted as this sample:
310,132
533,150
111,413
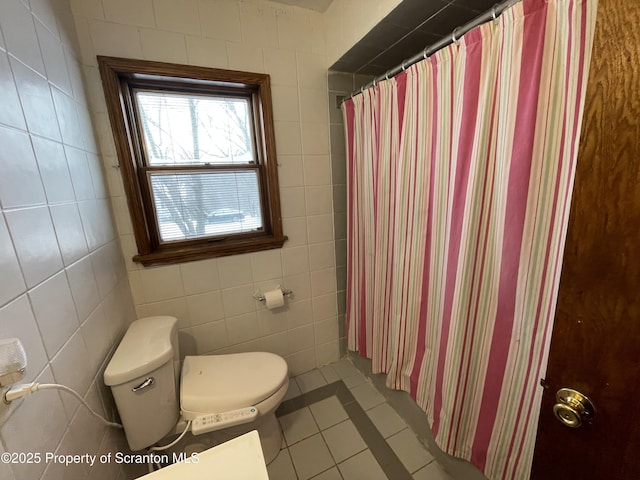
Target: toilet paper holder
260,296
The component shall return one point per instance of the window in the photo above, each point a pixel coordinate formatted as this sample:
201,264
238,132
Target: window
197,154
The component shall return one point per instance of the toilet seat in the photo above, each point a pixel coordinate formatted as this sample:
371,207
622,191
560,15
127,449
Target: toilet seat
219,383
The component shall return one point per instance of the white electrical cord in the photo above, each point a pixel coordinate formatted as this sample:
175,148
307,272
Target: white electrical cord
164,447
22,389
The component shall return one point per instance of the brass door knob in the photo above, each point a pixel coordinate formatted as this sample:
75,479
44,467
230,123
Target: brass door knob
572,407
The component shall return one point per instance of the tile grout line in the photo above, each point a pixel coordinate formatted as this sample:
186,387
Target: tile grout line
331,453
376,443
381,450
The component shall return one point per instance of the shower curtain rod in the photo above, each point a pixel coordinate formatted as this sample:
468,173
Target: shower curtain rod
458,32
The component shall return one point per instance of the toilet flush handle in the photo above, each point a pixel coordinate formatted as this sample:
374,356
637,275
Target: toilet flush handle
147,383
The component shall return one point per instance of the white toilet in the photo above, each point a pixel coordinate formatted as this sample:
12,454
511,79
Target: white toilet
216,391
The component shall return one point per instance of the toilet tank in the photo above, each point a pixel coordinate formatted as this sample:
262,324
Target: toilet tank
143,375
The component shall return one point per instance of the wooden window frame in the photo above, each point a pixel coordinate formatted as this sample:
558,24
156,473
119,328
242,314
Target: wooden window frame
119,77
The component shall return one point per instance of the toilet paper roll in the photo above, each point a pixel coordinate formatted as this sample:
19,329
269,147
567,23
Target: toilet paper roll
274,299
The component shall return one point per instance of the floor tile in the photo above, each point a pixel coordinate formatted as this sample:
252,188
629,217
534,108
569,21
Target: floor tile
329,374
386,420
343,441
362,467
282,467
318,432
344,368
433,471
354,380
311,457
298,425
367,395
328,412
292,391
332,474
409,450
310,381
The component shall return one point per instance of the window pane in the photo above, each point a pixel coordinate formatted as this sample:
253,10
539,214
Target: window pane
197,205
193,129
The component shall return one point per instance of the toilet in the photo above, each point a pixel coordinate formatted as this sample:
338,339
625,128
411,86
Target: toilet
156,394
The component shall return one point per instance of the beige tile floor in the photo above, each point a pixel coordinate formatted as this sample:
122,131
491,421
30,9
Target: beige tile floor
321,441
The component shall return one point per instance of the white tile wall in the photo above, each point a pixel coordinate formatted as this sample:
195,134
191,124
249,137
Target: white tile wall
20,184
290,171
36,98
63,287
54,170
177,17
37,249
11,281
221,20
200,277
281,66
163,46
207,52
138,13
317,170
214,298
347,21
19,33
69,231
205,307
10,108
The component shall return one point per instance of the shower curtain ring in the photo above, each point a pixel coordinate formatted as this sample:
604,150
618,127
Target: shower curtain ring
403,67
386,75
453,36
424,53
494,14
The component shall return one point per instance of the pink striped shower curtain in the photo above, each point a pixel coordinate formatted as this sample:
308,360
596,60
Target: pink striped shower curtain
460,172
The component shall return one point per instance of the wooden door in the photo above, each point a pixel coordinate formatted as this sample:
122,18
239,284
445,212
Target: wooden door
596,338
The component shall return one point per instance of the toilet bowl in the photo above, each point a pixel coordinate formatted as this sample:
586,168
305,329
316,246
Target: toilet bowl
156,394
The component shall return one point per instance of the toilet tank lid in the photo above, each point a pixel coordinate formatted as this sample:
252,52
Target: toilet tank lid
145,346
